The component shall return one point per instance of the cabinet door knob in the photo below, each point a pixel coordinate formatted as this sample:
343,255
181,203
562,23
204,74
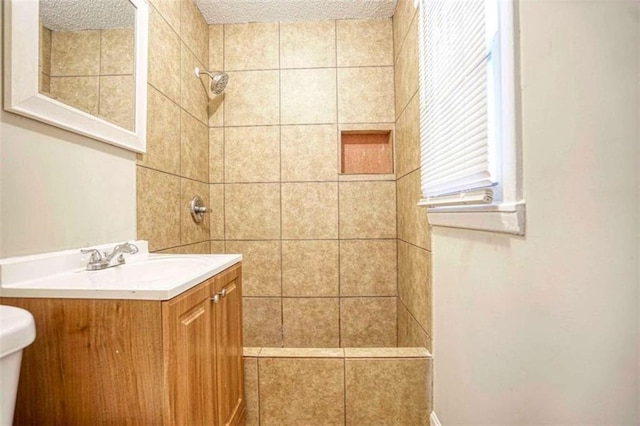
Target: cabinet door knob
215,298
223,293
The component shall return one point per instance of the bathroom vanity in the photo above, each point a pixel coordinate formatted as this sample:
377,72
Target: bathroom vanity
161,361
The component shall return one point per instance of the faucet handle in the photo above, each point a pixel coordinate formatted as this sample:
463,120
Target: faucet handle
95,254
126,247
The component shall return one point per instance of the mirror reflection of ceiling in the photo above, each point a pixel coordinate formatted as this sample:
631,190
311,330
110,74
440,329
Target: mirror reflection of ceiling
237,11
77,15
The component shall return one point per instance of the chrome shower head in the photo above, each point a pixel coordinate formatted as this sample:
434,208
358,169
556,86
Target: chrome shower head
219,80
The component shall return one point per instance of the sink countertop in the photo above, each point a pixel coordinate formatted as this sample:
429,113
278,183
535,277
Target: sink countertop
144,276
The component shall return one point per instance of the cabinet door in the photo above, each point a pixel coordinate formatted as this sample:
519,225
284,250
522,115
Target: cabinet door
229,367
189,320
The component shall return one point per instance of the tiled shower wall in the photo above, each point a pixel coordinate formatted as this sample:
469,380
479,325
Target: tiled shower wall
90,70
319,248
176,164
414,239
322,266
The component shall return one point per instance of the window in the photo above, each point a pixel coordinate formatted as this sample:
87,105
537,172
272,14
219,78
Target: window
470,156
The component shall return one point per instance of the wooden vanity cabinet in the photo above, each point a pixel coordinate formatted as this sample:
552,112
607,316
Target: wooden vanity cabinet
138,362
204,357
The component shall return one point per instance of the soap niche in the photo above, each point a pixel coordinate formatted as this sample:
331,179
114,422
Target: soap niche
366,152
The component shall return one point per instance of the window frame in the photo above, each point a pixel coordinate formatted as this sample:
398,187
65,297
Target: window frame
507,213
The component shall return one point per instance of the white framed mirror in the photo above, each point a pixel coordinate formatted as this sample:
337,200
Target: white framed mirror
103,94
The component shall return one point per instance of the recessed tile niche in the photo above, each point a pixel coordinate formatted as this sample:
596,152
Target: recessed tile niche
366,152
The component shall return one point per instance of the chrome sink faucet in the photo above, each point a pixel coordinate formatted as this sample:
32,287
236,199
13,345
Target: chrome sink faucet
99,260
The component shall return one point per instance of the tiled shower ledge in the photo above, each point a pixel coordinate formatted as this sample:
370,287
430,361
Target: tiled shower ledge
266,352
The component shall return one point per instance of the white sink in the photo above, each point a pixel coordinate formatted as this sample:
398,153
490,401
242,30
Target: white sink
143,276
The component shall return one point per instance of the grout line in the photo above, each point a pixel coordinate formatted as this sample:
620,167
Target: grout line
414,245
280,184
171,174
415,319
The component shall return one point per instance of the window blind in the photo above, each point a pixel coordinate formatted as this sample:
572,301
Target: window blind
454,110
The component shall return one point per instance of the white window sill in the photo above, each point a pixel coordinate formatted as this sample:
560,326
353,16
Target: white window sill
504,218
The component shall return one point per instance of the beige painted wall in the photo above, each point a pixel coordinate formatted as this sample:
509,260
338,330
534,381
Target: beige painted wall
59,190
544,329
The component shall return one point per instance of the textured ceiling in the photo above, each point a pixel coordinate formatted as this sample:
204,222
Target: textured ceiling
75,15
236,11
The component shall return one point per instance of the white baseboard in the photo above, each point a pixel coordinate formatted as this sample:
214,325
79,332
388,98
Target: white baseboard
434,419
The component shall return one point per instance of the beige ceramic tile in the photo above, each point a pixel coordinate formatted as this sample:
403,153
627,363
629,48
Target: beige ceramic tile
364,42
215,109
367,210
163,133
368,322
365,95
406,79
117,100
309,153
217,247
194,148
301,391
262,321
414,282
216,155
164,56
216,47
308,96
410,333
158,208
311,322
75,53
368,268
261,266
252,211
309,44
78,92
387,391
194,30
197,248
172,250
412,219
117,51
45,50
386,353
194,96
252,154
309,210
310,268
169,10
216,212
404,14
252,98
251,351
45,84
408,138
302,353
252,401
191,232
251,46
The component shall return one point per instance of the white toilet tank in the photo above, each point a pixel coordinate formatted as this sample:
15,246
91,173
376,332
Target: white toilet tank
17,331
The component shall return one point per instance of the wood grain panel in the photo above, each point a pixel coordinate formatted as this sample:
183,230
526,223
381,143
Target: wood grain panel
88,360
189,322
229,365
